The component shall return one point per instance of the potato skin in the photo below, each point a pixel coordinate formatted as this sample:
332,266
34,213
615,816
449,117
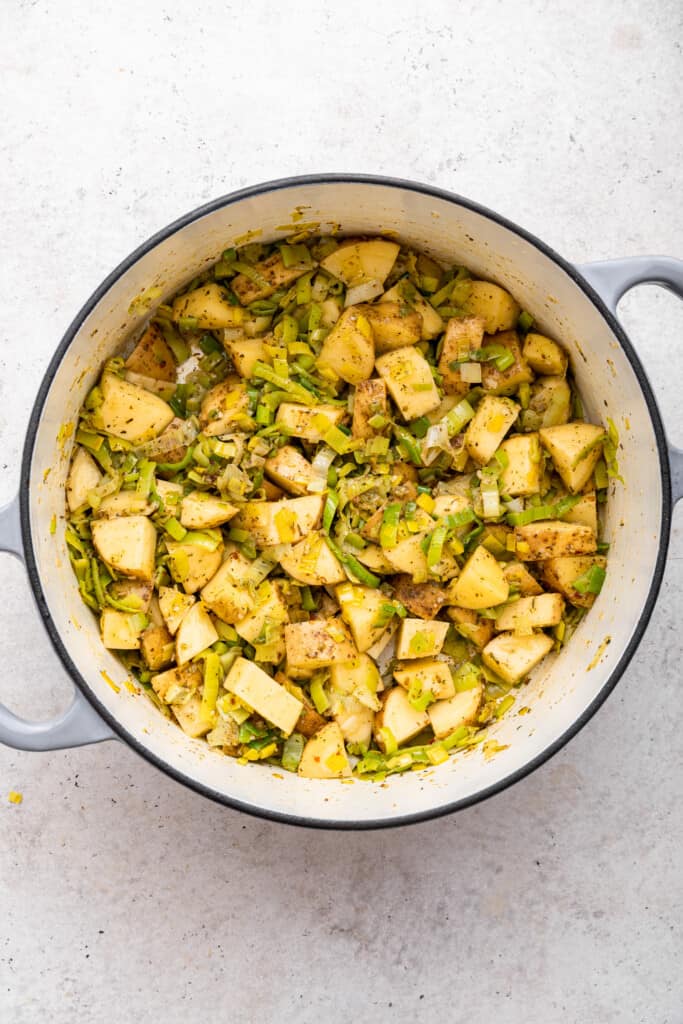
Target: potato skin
424,600
152,357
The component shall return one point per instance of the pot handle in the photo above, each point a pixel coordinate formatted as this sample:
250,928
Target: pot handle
80,723
611,279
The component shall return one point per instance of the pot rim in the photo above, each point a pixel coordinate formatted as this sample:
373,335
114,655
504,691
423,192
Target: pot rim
255,191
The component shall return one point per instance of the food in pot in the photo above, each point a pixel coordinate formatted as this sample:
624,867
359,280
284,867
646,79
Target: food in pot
335,504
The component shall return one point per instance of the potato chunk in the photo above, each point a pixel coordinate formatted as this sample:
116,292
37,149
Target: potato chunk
259,691
519,577
370,400
553,538
264,625
505,382
120,631
544,355
424,600
522,475
409,298
585,511
280,522
531,612
230,592
317,644
288,468
177,684
174,606
127,544
362,609
470,625
324,755
311,562
156,644
273,274
513,657
448,715
195,633
84,476
193,565
353,718
209,306
309,423
399,718
201,511
225,407
496,306
359,677
358,262
130,412
245,353
561,573
393,325
420,638
481,583
190,719
426,675
463,336
488,427
575,449
348,351
152,357
409,379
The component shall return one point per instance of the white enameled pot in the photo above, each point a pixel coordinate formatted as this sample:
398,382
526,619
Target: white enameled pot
575,304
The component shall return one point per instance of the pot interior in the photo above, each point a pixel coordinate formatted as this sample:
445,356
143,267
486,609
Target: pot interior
563,689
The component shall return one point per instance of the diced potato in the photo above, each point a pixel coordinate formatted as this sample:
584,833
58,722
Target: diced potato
374,558
561,573
470,625
152,357
195,633
450,505
120,630
245,353
519,577
513,657
552,538
177,684
505,382
225,734
408,557
420,638
137,594
259,691
290,470
229,593
353,718
448,715
531,613
550,403
225,407
585,511
370,400
544,355
84,476
360,678
311,561
127,544
406,294
280,522
393,325
125,503
409,379
425,600
481,584
362,609
575,449
399,717
308,422
273,273
209,306
348,351
496,306
488,427
193,565
522,475
190,718
130,412
200,510
463,336
324,755
356,263
317,644
157,647
309,720
264,626
174,606
426,675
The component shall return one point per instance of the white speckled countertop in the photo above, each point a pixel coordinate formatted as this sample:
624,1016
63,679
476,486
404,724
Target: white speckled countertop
126,897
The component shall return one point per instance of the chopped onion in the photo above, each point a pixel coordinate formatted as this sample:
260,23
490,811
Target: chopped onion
470,373
363,292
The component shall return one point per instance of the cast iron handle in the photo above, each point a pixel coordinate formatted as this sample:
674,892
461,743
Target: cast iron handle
80,723
611,279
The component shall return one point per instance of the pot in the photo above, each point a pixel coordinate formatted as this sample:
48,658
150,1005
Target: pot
576,304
